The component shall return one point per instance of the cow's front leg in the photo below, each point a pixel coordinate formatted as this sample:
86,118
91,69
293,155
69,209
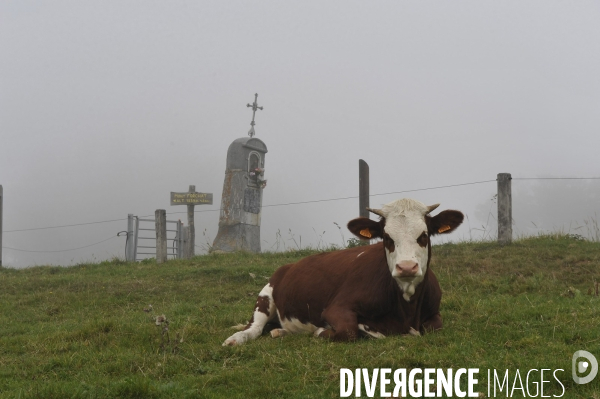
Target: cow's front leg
370,332
432,324
343,322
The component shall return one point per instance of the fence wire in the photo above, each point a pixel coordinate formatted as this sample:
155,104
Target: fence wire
63,250
275,205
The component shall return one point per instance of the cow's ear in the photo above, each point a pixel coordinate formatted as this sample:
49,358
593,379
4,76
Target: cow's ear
365,228
444,222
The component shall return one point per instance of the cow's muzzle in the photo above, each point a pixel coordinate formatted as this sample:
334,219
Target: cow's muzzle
407,268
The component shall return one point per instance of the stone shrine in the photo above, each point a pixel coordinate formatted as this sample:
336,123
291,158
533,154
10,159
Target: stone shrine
241,202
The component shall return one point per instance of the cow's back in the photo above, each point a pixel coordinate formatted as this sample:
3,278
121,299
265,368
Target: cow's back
354,276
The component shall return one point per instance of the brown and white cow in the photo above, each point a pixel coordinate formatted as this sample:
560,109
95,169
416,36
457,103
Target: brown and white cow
377,290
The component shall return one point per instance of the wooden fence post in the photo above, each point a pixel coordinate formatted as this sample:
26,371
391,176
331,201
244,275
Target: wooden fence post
504,208
161,235
363,188
186,242
1,198
179,237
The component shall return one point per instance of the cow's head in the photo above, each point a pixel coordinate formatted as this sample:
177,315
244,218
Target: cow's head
406,227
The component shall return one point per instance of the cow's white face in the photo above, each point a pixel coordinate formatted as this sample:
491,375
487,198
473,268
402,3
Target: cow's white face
406,242
405,228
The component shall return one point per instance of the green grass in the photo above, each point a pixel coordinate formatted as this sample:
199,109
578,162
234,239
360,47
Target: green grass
82,332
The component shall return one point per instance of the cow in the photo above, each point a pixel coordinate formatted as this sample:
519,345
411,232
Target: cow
382,289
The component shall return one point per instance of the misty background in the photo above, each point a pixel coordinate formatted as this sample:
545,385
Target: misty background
107,107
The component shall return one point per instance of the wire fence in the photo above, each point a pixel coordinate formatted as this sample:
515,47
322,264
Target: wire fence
264,206
62,250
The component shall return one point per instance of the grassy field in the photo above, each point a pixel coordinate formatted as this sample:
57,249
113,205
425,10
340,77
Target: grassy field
88,332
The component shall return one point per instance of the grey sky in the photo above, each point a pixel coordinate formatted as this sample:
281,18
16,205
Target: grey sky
106,107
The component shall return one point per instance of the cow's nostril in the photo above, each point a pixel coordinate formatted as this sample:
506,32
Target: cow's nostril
407,268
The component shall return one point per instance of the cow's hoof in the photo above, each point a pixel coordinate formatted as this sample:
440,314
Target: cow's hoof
238,338
324,333
278,332
365,329
414,332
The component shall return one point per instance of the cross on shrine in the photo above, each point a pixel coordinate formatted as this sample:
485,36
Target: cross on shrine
254,106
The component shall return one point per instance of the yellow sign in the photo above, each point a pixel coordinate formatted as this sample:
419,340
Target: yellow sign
191,198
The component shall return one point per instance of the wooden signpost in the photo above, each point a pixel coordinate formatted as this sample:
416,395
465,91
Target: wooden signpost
191,199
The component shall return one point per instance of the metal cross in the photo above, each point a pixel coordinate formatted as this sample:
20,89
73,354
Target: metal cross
254,106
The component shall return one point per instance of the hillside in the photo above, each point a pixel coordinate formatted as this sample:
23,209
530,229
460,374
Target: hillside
87,331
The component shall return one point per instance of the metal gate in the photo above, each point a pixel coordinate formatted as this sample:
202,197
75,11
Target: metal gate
143,243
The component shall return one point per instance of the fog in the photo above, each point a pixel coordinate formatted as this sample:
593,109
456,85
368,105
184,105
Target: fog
107,107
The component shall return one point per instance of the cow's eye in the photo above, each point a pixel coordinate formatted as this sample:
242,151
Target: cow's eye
388,243
422,240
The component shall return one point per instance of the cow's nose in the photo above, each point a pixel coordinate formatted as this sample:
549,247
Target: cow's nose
407,268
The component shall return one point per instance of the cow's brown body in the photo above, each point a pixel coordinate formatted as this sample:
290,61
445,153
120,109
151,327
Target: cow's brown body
378,290
343,289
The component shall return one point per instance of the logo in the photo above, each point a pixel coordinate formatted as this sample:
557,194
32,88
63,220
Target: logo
590,364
